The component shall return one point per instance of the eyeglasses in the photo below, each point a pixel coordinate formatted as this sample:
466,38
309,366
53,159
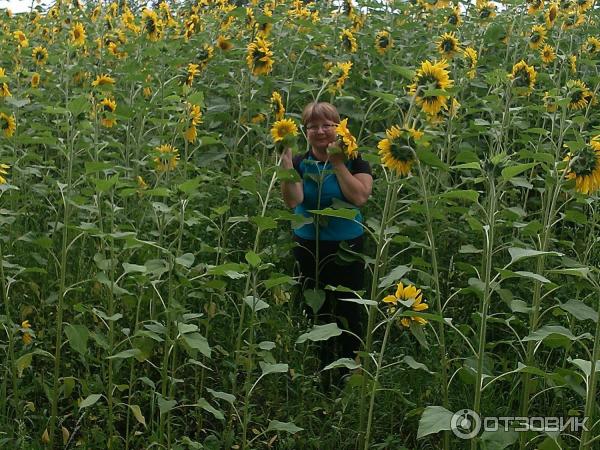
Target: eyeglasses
325,127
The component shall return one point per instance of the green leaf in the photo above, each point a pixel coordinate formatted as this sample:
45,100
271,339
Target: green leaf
431,159
268,368
190,186
585,366
264,223
290,427
410,361
137,413
165,405
523,274
348,363
517,253
203,403
126,354
468,195
554,336
104,185
89,400
197,342
97,166
255,303
229,398
434,420
78,104
253,259
320,333
394,276
24,361
580,310
498,440
134,268
186,260
78,336
344,213
314,298
513,171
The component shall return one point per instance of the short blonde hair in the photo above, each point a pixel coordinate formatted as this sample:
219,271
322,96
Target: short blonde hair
320,110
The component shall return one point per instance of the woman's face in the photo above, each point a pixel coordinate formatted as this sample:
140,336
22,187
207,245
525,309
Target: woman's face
320,133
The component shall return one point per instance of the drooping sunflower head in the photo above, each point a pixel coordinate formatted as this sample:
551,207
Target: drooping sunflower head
194,113
39,55
346,140
454,18
348,41
35,80
592,45
433,4
259,57
447,45
549,103
583,5
470,57
78,35
547,54
572,20
397,151
431,76
204,55
383,42
523,77
340,73
584,167
578,94
103,81
224,43
191,72
551,15
3,171
166,158
107,107
277,105
534,6
8,125
152,25
283,129
537,36
21,39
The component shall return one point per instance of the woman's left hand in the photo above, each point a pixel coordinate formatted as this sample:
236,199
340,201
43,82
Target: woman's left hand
335,154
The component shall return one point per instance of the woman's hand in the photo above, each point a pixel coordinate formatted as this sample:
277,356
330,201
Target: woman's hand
286,158
335,154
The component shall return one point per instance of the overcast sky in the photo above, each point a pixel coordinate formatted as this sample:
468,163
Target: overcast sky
16,5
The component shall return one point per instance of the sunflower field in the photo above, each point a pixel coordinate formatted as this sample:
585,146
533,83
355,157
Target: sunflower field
148,297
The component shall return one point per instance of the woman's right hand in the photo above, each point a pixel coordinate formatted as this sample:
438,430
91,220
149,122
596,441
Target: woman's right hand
286,158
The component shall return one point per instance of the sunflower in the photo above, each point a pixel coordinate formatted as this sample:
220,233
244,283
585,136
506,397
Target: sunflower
341,71
192,71
383,42
39,55
78,35
284,128
263,29
470,55
8,125
346,140
551,15
3,171
397,150
454,18
487,11
167,158
141,182
428,76
107,109
537,37
573,20
205,54
193,118
4,92
403,293
348,41
35,80
448,45
224,43
21,39
578,94
584,167
27,332
549,103
523,77
592,45
547,54
277,105
433,4
259,57
583,5
152,25
534,6
573,64
103,80
566,5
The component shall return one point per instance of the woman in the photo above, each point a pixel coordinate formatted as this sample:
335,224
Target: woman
327,175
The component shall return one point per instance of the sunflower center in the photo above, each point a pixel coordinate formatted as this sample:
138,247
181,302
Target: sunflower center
485,13
150,25
4,123
453,19
428,81
203,55
448,45
108,108
76,33
522,78
585,163
384,41
577,96
535,37
401,150
258,56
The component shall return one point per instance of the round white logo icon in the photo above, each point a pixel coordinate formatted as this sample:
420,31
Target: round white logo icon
465,424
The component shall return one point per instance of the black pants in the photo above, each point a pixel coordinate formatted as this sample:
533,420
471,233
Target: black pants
334,271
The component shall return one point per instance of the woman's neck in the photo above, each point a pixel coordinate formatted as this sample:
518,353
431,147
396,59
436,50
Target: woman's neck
320,155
